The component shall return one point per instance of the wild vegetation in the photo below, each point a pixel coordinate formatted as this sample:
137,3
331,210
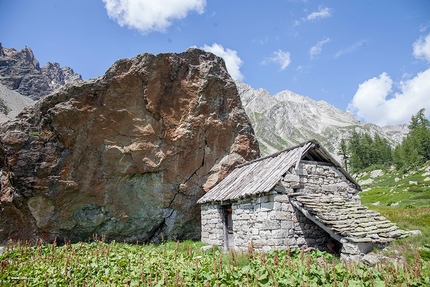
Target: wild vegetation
185,264
361,150
415,148
403,198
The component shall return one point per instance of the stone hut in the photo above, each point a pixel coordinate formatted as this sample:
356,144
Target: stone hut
299,197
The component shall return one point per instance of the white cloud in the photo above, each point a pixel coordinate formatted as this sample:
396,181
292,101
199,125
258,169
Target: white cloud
150,15
316,50
374,102
232,60
321,13
350,49
422,48
279,57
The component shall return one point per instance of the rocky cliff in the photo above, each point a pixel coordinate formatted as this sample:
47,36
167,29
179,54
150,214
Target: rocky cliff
20,71
286,119
126,155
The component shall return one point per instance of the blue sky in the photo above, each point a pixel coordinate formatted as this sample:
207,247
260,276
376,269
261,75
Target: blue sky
369,57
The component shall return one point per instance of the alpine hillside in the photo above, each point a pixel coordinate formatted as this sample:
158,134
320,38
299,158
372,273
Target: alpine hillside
12,103
286,119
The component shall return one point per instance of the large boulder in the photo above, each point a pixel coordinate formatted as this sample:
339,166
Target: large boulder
125,155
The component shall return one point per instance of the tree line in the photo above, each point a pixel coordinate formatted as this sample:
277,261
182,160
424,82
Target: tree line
361,150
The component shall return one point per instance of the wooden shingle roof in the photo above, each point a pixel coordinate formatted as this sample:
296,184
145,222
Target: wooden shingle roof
261,175
346,218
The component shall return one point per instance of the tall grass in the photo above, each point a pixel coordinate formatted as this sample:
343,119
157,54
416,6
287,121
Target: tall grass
185,264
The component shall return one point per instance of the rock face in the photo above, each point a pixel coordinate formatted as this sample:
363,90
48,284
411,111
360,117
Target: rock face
57,76
125,155
20,71
286,119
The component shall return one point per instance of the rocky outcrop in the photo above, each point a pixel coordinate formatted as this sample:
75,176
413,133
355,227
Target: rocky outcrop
286,119
57,76
125,155
20,71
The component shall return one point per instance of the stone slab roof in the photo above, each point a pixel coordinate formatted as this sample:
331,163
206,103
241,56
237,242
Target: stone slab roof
261,175
346,219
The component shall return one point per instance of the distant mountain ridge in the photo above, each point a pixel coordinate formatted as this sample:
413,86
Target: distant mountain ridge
20,71
286,119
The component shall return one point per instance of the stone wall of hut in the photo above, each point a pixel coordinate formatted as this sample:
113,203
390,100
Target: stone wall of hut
212,224
320,177
269,221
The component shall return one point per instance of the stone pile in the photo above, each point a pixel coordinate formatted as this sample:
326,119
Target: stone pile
354,225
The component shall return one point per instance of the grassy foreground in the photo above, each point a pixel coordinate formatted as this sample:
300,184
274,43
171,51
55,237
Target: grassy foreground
403,198
184,264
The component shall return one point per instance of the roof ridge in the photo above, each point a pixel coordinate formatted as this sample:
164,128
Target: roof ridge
302,144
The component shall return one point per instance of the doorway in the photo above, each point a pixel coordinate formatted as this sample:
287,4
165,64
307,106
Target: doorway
228,228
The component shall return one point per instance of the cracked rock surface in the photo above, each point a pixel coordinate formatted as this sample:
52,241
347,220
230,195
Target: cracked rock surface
126,155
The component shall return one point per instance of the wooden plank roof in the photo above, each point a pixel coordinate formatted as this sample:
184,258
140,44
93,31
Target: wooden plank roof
261,175
346,218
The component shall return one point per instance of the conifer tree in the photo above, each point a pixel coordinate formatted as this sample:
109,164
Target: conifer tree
364,151
415,148
343,152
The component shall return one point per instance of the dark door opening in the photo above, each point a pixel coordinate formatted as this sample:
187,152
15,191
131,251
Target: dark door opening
228,227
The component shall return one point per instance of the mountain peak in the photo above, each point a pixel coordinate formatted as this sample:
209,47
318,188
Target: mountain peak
20,71
286,119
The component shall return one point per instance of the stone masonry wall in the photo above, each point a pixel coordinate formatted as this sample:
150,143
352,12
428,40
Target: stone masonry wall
318,177
270,222
212,224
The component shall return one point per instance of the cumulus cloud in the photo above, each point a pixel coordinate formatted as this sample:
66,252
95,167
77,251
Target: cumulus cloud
232,60
279,57
374,101
321,13
151,15
316,50
422,48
